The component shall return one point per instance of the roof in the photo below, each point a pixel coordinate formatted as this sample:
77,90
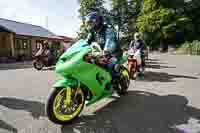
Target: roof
26,29
67,39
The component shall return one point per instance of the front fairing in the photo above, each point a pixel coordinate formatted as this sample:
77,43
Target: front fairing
69,60
72,65
124,58
75,48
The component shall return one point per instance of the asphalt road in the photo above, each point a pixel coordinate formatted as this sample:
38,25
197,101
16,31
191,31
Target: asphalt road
166,101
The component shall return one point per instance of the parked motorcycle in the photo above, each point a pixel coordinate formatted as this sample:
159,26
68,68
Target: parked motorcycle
134,62
85,81
41,60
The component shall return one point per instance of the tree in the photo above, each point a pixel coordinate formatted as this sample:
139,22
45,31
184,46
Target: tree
192,10
159,18
134,10
86,6
90,5
120,15
124,15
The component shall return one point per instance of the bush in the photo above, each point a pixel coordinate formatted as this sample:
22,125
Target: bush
191,48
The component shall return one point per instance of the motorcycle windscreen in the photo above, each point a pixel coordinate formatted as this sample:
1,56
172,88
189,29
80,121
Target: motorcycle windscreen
131,52
138,57
77,47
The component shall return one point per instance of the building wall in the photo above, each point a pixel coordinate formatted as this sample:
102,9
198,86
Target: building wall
5,44
12,46
20,47
66,45
33,45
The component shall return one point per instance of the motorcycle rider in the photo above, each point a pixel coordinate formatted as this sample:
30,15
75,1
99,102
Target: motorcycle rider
47,53
105,37
138,44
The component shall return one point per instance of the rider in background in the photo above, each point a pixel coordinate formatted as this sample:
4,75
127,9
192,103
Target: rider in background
48,53
138,44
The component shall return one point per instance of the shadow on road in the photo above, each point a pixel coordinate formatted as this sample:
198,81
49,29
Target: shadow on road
8,127
158,66
137,112
163,77
155,62
153,59
36,109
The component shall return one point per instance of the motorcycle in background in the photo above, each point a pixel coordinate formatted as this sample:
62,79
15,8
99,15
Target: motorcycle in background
134,62
42,59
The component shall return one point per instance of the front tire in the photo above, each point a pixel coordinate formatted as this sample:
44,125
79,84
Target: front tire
56,108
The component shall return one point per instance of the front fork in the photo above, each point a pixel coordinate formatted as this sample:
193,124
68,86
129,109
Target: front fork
68,98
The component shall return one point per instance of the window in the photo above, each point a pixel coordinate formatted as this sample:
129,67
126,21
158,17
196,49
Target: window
21,43
25,44
18,45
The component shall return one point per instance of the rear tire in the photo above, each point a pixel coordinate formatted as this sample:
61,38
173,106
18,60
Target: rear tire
50,109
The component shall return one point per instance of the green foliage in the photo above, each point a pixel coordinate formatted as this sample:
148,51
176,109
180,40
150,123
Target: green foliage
164,19
120,14
82,34
175,4
192,48
192,10
182,24
134,10
87,5
125,13
155,20
160,20
149,6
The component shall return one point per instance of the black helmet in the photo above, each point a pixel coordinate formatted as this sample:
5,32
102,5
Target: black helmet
94,20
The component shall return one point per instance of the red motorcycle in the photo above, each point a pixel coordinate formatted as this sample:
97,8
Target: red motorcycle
134,62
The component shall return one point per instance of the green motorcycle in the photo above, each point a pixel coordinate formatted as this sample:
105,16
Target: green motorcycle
84,82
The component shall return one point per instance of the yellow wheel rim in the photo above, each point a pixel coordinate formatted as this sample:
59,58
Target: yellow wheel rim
57,104
125,73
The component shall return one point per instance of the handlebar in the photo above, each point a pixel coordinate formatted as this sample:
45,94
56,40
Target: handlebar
99,59
95,47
